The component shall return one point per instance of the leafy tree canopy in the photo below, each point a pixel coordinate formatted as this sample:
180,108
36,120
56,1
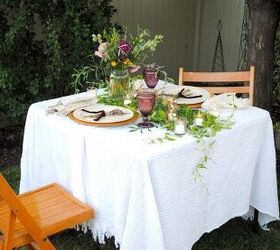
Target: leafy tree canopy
37,61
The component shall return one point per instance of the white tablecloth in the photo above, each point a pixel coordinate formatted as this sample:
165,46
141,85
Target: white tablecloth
145,194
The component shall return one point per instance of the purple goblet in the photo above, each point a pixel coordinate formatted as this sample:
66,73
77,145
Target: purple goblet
151,77
146,102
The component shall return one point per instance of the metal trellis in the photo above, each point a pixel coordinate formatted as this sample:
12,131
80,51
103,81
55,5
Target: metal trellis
243,57
218,60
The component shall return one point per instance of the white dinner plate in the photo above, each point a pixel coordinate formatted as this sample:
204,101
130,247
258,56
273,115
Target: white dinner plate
188,91
109,118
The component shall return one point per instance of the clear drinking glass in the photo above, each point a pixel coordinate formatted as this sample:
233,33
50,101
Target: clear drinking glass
180,127
92,91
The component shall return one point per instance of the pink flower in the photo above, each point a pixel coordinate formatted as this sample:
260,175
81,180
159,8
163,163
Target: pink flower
102,50
99,54
133,69
124,48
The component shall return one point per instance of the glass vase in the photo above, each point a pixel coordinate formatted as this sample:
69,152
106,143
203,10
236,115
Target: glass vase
119,83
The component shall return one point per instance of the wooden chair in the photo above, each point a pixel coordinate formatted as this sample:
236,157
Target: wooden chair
28,219
210,77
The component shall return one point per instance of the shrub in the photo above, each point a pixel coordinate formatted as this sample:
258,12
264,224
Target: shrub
41,43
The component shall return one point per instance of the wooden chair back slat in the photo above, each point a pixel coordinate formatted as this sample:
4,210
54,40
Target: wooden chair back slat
25,218
220,90
216,77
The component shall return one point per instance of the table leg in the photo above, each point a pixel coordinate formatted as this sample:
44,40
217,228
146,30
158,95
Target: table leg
256,226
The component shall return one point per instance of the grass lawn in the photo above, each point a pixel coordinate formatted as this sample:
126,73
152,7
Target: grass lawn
234,235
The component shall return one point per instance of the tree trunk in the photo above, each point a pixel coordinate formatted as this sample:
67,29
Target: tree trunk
264,19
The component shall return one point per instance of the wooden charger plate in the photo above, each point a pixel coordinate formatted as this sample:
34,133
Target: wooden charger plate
192,103
112,124
193,106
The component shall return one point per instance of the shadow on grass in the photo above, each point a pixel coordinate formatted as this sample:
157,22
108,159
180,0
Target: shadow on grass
234,235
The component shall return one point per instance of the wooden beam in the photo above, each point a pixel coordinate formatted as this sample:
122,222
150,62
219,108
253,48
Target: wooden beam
9,237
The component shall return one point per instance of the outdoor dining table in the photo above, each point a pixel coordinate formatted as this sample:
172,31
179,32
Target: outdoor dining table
145,194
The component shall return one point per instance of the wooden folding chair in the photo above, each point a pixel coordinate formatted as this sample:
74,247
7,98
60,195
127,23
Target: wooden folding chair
28,219
214,77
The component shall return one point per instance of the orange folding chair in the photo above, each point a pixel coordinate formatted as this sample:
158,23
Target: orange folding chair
214,77
28,219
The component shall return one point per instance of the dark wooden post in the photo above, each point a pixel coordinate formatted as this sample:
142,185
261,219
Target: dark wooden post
264,20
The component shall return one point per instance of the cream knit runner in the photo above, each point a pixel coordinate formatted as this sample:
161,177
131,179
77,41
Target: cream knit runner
71,103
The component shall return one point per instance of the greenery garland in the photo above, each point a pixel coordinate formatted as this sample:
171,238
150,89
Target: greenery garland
210,127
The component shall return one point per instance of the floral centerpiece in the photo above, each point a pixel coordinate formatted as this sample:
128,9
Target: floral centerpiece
121,54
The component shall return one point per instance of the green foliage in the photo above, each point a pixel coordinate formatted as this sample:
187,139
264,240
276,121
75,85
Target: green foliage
211,124
204,135
277,127
12,175
210,127
117,50
106,99
159,114
41,43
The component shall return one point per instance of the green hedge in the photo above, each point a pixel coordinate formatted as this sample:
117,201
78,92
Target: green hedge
41,43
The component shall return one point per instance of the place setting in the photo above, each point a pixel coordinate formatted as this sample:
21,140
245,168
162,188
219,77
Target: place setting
103,115
186,94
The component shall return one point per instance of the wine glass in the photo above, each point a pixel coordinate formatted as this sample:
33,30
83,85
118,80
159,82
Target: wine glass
151,77
146,102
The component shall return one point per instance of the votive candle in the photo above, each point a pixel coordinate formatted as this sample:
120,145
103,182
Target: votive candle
180,127
171,116
127,100
92,91
198,121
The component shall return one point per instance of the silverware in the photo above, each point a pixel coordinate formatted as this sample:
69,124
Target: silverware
101,113
181,95
92,112
98,114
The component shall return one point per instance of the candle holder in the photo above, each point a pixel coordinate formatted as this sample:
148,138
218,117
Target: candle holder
171,109
92,91
198,121
171,116
127,100
171,102
179,127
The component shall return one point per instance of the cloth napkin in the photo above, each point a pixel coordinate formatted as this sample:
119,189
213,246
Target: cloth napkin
66,105
226,101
